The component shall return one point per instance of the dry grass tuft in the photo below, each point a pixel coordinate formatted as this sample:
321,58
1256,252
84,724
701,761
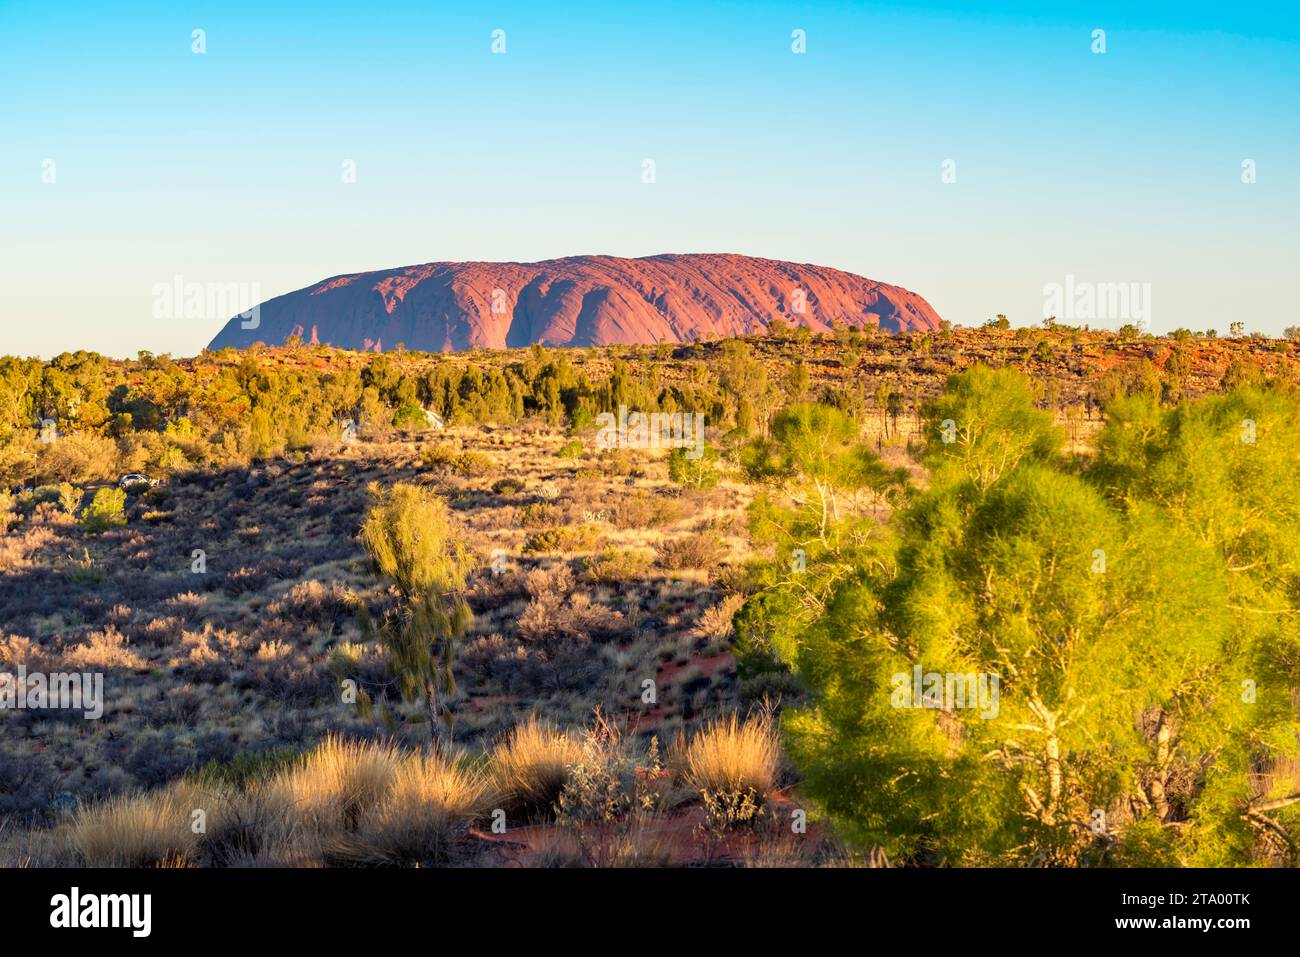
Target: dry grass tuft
334,785
151,830
531,766
730,756
716,621
432,800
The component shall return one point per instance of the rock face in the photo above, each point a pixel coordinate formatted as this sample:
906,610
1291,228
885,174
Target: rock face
576,301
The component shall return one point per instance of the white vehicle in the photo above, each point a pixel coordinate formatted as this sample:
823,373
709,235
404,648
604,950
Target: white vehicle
135,478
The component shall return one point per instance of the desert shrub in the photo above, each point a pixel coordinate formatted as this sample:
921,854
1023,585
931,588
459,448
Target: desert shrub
566,538
365,662
507,486
475,464
538,515
556,613
247,578
158,495
470,464
69,497
103,650
189,605
43,494
616,566
8,516
438,457
18,650
507,665
610,800
531,765
570,450
106,510
643,510
616,462
704,550
162,631
314,601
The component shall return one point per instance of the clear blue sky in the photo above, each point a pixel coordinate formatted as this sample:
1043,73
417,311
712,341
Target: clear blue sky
226,166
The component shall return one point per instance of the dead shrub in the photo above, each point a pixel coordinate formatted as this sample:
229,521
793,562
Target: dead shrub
703,550
644,510
556,612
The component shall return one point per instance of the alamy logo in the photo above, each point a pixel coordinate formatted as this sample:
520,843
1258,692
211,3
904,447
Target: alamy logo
212,301
946,691
658,430
37,691
1119,301
102,910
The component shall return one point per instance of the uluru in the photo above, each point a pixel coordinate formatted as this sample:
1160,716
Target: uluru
575,301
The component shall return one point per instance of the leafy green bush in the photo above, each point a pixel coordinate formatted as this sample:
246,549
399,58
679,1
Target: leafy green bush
701,472
409,416
566,538
570,450
106,510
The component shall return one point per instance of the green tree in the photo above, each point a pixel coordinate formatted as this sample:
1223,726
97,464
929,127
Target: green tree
821,487
1116,614
410,536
